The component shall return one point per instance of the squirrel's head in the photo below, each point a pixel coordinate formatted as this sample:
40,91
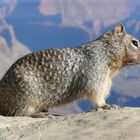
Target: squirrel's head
126,46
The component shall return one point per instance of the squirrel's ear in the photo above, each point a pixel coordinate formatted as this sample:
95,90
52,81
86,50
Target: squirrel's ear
119,28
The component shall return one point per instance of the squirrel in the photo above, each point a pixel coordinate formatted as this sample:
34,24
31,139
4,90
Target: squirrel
48,78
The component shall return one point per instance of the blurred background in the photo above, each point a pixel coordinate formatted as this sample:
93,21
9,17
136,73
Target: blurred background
32,25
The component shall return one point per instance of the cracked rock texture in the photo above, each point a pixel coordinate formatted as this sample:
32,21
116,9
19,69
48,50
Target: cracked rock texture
121,124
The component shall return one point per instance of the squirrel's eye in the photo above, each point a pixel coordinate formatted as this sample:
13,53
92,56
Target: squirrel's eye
135,43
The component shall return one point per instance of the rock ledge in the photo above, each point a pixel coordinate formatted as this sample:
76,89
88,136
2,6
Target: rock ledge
121,124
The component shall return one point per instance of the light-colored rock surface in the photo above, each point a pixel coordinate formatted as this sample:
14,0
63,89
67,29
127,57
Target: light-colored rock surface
102,125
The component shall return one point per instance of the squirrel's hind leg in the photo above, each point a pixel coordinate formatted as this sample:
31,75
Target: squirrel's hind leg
108,107
37,110
39,115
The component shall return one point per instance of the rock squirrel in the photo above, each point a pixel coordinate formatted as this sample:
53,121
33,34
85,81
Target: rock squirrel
53,77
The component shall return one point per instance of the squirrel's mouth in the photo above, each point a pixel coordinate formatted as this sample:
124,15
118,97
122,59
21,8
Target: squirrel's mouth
132,59
132,62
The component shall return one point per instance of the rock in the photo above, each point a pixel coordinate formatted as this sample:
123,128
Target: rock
121,124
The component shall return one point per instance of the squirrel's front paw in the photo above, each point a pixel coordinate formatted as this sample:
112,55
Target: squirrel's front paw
113,106
109,107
